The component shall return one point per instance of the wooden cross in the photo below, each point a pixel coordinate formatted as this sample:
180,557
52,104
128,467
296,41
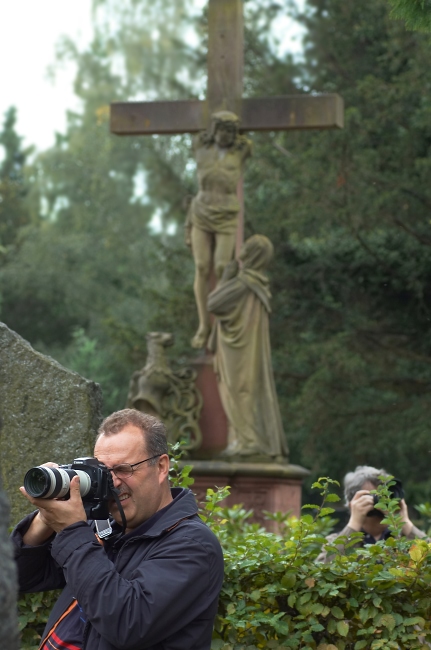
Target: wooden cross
224,92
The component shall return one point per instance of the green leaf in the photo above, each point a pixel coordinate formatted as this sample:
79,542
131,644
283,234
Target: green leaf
291,600
415,620
343,628
337,612
324,512
218,644
288,580
256,595
388,621
317,608
332,498
308,519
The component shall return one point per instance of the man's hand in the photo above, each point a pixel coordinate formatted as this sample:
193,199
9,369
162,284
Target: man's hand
407,524
54,514
360,505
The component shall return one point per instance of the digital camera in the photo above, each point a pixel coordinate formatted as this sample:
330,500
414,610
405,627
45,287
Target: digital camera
396,491
95,484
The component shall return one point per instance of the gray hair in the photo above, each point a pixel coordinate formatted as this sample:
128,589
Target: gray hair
353,481
153,431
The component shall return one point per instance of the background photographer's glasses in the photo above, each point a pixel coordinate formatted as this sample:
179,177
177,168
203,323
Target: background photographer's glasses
125,470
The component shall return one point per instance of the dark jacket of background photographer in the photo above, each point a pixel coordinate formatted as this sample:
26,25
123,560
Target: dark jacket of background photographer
156,586
363,516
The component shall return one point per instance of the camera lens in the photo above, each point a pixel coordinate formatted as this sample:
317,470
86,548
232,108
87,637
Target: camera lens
54,482
37,482
48,482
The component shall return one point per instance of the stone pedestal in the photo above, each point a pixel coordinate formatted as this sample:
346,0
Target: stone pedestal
213,421
271,487
259,486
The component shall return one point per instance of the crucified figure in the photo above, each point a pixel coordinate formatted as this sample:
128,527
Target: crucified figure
212,219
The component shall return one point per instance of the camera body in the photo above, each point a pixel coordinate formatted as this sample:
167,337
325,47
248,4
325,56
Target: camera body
396,491
95,484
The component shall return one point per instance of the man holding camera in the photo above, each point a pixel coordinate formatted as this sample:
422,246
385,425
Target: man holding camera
364,517
153,583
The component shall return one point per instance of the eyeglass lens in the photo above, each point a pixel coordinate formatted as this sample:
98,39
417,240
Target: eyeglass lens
123,471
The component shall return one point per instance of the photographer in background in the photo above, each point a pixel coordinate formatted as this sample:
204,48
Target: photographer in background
154,585
364,517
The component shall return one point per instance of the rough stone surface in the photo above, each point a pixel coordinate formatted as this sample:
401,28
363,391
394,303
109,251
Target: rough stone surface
8,585
47,413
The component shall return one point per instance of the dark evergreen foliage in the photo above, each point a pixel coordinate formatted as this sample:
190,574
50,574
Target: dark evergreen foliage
351,226
415,13
13,188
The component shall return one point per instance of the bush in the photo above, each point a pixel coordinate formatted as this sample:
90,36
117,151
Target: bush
276,595
33,613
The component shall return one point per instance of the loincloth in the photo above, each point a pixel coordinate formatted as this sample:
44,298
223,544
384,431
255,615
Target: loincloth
215,218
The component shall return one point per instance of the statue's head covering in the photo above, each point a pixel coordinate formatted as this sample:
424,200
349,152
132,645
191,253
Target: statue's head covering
223,117
256,252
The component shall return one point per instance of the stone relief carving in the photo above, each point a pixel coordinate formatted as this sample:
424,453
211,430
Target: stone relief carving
170,395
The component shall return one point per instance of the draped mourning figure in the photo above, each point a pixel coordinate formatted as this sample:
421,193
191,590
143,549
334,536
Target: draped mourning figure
242,355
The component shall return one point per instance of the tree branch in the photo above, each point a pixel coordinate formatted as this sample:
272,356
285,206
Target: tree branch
401,224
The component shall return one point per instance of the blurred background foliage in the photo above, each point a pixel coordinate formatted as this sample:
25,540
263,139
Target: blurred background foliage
92,252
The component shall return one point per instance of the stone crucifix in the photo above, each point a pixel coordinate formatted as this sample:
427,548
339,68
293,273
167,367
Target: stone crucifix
224,113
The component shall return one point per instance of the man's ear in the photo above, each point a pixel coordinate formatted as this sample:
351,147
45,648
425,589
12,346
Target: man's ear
163,467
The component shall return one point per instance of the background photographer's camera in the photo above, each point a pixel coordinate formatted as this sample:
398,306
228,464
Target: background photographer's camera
396,491
95,484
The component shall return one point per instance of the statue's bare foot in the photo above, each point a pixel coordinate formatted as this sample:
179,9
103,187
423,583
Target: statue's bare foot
200,339
229,451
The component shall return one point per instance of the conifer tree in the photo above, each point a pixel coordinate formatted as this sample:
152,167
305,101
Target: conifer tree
349,212
415,13
13,187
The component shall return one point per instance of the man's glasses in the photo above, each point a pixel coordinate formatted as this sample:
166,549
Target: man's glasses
125,470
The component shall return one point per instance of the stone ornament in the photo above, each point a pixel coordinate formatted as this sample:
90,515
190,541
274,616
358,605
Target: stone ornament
170,395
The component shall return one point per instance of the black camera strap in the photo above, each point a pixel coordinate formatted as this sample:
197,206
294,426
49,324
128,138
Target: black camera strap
120,508
114,494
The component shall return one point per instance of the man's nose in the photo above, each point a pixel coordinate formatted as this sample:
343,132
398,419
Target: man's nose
116,481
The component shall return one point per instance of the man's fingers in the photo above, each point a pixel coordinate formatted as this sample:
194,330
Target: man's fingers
26,494
361,493
74,488
363,503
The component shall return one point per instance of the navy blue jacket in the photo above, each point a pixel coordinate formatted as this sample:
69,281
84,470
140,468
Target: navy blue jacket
157,590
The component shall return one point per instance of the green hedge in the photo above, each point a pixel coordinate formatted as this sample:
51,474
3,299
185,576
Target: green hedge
275,595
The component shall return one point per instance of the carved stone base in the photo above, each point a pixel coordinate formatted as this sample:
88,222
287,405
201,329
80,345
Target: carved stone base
213,421
272,487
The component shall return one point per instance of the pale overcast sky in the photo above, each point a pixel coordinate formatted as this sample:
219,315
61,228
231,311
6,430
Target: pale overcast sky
29,30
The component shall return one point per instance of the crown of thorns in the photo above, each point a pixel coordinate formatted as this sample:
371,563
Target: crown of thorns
226,117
